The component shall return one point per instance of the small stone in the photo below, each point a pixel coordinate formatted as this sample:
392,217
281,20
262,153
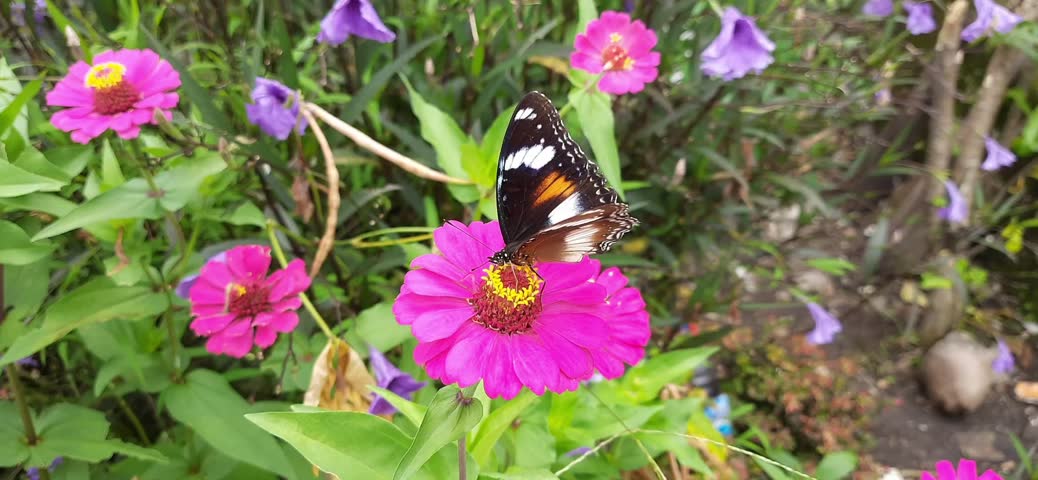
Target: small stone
957,373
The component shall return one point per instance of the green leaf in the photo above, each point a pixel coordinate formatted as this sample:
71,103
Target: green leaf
476,166
201,98
449,417
643,382
13,449
15,181
836,465
377,325
15,247
14,114
207,403
497,423
446,137
413,411
98,301
248,214
586,13
518,473
835,266
596,120
934,281
378,81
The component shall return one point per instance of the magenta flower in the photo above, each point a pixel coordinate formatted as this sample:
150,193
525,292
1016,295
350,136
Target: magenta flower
998,156
957,211
275,109
619,47
826,325
547,328
967,471
121,91
237,305
1003,363
878,8
183,289
739,48
390,378
920,18
353,17
990,15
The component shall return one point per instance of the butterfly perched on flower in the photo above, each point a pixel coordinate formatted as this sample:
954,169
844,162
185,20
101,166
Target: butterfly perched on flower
552,202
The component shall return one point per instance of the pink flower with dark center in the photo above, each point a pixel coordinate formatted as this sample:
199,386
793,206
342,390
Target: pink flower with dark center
967,470
546,328
620,48
121,91
237,305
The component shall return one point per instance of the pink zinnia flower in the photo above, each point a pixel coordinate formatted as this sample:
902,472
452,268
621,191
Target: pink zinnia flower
622,49
548,327
967,471
237,305
121,91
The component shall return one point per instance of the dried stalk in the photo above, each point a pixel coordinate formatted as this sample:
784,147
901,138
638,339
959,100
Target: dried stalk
945,74
324,246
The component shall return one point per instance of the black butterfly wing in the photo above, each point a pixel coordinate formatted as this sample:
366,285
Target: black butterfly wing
545,180
588,233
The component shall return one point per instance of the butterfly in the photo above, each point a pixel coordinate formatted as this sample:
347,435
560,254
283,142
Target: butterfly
553,205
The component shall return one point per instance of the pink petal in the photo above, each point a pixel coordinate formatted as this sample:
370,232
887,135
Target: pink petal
282,322
582,329
439,264
248,263
265,337
468,358
215,274
425,282
289,282
533,363
584,294
967,469
409,306
945,470
574,361
560,276
585,61
608,365
460,246
204,326
441,323
612,279
499,378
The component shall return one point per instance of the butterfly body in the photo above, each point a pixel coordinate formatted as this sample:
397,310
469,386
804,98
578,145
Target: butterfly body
553,204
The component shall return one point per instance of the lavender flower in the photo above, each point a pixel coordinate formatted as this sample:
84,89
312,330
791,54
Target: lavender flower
275,109
353,17
1003,363
27,362
957,210
998,156
183,289
920,18
878,8
18,13
34,473
739,48
390,378
576,452
39,11
990,15
826,325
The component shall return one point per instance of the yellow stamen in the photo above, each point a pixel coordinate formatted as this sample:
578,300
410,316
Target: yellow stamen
524,296
105,75
628,63
615,37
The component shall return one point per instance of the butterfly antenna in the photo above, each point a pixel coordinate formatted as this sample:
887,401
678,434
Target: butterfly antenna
466,232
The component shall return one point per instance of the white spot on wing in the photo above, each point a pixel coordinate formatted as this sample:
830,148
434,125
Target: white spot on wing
535,156
567,209
524,113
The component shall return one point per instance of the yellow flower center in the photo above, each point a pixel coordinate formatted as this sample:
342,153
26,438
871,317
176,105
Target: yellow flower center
615,56
519,275
105,75
615,37
509,299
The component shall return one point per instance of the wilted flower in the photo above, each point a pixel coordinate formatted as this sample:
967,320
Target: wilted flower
967,471
920,18
619,47
990,15
237,305
739,48
1003,363
826,325
275,109
353,17
546,327
878,8
183,289
121,91
390,378
998,156
957,211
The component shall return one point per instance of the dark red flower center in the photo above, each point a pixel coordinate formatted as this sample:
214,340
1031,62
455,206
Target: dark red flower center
615,57
248,300
509,300
112,93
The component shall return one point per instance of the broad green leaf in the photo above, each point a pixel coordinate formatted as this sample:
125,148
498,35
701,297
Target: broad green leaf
25,288
586,12
446,137
495,425
377,325
596,119
517,473
478,169
33,161
13,449
15,247
643,382
490,148
701,426
14,98
836,465
448,418
207,403
378,81
248,214
15,181
835,266
413,411
100,300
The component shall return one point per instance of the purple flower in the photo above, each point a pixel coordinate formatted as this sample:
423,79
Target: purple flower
739,48
390,378
990,15
34,473
920,18
27,362
39,11
998,156
826,325
957,211
576,452
275,109
878,8
183,289
353,17
1003,363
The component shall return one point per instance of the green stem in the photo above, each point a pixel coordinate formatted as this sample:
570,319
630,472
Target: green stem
137,425
280,255
23,405
359,240
462,464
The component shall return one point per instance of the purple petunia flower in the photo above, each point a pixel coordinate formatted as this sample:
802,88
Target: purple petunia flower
275,109
390,378
998,156
920,18
878,8
183,289
739,48
957,210
353,17
39,11
576,452
27,362
826,325
34,472
1003,363
990,15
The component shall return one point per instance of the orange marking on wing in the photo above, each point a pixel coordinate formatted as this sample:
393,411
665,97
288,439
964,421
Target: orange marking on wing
553,186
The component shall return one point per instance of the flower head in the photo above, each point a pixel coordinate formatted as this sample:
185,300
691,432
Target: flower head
27,362
547,327
353,17
183,289
121,91
826,325
619,47
275,109
739,48
390,378
34,472
237,305
998,156
1003,363
967,470
878,8
957,210
990,15
39,11
920,18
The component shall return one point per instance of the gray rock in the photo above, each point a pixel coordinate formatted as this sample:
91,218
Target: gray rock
957,373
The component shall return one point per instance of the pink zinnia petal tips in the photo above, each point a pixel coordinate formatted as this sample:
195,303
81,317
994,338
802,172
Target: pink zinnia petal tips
121,91
545,328
966,470
237,305
619,47
998,156
740,48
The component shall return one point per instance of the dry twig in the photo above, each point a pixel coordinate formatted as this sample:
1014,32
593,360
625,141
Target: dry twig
324,246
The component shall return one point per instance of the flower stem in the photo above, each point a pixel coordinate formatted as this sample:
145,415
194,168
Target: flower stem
462,464
280,255
23,405
587,86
